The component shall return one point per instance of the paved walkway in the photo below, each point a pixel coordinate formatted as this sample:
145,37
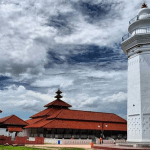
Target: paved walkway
115,147
96,146
57,145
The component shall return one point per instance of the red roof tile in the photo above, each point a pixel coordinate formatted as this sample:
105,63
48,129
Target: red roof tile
115,126
86,125
53,111
15,129
58,103
14,120
4,119
46,112
41,113
55,114
32,121
39,124
87,116
65,124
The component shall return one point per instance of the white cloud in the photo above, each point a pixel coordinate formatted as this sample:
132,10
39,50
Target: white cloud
119,97
18,97
58,81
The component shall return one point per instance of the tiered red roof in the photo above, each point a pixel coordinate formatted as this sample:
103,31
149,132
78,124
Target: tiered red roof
57,115
75,119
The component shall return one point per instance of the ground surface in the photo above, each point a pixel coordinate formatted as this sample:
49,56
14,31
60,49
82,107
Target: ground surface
39,147
60,147
71,147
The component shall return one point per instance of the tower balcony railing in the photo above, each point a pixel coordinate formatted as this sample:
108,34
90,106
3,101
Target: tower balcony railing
136,31
138,18
134,19
126,36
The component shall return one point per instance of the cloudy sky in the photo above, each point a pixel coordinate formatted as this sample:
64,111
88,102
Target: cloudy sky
73,45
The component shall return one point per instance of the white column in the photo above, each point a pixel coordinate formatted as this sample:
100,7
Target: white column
7,133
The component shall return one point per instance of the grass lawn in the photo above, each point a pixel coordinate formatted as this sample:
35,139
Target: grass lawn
30,148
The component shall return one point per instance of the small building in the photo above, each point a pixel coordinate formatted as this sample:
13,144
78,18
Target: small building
58,121
12,124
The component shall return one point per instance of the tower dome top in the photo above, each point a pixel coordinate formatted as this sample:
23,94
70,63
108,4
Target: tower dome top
144,10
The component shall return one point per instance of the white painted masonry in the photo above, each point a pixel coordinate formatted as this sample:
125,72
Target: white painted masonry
3,131
137,48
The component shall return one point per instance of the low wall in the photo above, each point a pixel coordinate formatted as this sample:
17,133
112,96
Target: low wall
120,141
66,141
52,141
31,138
111,141
74,141
20,140
5,139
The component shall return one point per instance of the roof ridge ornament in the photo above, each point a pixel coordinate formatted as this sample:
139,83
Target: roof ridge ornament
58,96
144,5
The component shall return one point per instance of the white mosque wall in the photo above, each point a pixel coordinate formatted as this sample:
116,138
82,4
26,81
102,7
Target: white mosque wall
139,97
134,131
145,94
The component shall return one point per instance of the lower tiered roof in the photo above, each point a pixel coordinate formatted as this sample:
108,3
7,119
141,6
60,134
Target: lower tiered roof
71,124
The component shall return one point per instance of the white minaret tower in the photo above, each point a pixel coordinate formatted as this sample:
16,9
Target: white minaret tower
136,45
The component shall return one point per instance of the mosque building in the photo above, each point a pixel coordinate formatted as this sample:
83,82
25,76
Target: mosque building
58,121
